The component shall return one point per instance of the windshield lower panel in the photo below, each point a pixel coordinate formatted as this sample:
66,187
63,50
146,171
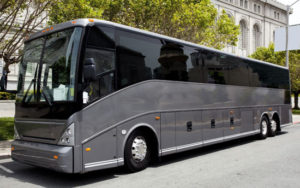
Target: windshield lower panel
47,71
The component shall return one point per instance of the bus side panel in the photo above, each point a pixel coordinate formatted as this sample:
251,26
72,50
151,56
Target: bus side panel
188,129
232,122
167,134
212,125
285,115
124,130
100,152
247,120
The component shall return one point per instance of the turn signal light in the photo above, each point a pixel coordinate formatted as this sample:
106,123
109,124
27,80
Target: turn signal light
157,118
55,157
87,149
91,20
12,148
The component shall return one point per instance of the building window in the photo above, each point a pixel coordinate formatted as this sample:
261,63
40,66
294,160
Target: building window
241,3
246,4
273,36
256,37
243,35
258,9
255,7
276,15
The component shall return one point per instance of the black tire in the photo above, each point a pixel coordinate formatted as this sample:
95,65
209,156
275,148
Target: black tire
132,164
264,124
272,128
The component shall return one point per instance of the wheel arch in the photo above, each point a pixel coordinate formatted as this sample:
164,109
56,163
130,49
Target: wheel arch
265,114
147,129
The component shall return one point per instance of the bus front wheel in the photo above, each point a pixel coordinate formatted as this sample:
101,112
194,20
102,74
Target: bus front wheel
137,152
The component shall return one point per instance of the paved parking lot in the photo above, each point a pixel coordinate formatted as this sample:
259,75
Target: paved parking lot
248,162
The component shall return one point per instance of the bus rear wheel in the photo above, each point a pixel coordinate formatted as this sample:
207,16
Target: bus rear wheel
137,154
264,126
273,127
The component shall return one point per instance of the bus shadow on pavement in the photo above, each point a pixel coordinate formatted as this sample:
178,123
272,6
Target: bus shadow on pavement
178,157
48,178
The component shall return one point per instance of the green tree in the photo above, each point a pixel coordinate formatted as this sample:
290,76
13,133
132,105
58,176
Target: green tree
191,20
13,31
268,54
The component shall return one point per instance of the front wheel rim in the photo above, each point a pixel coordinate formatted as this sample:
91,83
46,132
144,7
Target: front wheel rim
139,149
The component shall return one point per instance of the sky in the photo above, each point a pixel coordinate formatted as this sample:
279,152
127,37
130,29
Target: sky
295,17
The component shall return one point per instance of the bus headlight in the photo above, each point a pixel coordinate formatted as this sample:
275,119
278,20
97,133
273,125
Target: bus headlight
67,138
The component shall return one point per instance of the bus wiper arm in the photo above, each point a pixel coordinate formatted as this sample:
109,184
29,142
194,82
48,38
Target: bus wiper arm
46,97
32,81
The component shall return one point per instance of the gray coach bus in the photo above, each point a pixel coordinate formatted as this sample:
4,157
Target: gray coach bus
94,94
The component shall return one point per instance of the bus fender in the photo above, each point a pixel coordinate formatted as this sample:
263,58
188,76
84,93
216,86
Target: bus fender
133,128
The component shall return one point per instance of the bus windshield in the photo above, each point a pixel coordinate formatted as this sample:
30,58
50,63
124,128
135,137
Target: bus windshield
47,70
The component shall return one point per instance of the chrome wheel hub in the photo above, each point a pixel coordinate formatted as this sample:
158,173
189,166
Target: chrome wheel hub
139,148
264,127
273,125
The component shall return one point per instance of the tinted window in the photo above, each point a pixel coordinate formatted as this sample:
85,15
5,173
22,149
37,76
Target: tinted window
195,65
101,37
173,63
238,71
137,57
101,48
268,76
215,69
141,58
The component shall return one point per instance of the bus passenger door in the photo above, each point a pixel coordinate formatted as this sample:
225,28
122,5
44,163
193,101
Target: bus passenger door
212,126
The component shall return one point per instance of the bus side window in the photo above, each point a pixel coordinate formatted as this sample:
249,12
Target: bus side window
100,47
215,70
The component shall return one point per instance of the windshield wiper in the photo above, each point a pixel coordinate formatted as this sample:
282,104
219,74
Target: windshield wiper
48,100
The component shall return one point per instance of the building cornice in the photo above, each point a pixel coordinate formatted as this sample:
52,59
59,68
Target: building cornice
275,4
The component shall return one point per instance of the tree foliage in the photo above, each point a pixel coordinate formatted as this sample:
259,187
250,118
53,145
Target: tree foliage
269,55
191,20
19,18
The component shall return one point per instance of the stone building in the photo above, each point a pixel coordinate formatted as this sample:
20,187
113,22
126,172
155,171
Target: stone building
258,20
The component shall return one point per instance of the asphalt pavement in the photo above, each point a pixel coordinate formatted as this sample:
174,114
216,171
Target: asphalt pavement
247,162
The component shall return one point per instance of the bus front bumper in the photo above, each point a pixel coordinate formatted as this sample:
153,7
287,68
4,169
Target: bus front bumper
58,158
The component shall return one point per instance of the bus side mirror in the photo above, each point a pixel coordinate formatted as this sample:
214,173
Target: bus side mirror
89,70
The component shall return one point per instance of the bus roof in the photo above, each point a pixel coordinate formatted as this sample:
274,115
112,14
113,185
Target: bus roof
90,22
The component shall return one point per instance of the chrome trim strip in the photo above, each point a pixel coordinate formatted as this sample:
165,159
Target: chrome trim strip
189,145
213,140
168,150
103,163
201,143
